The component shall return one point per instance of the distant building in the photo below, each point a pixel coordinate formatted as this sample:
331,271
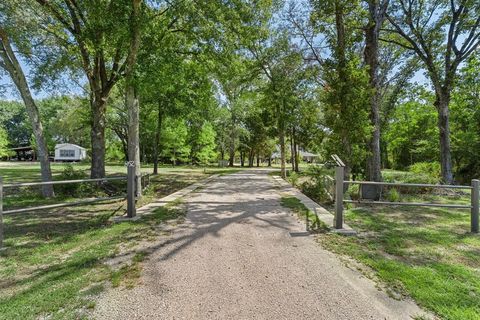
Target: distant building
308,156
23,154
303,155
69,152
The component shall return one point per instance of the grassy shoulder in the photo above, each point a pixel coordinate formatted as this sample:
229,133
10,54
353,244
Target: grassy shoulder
54,262
294,204
426,253
56,270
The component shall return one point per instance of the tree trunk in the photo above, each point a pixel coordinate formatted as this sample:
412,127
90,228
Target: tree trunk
281,137
258,159
442,101
156,147
99,109
372,32
340,50
251,155
270,161
231,158
131,98
10,63
292,152
242,158
295,149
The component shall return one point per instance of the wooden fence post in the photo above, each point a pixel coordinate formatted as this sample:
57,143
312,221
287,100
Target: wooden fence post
1,213
131,189
338,218
474,213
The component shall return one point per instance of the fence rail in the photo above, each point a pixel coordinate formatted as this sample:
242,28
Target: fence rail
421,185
64,204
29,184
340,184
132,187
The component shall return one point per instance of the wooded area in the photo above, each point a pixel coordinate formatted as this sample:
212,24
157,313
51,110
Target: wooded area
382,83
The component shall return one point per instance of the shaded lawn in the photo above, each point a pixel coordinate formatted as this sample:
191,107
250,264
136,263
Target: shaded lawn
53,263
169,178
30,172
426,253
57,267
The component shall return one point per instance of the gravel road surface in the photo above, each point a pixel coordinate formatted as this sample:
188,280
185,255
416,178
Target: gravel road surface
241,255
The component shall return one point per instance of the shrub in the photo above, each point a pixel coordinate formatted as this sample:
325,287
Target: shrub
393,195
430,169
315,186
73,189
293,178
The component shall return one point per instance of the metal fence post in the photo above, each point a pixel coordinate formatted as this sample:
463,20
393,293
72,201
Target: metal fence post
1,213
474,213
131,189
338,219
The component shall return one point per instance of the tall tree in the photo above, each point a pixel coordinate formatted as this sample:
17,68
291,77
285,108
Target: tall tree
94,35
131,99
442,34
345,87
377,10
10,63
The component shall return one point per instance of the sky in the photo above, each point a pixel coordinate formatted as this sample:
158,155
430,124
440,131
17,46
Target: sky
9,91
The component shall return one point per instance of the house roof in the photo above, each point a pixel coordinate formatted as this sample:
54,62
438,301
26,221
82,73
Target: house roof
27,148
276,155
61,145
307,154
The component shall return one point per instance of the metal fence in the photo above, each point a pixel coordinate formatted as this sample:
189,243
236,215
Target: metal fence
340,185
131,193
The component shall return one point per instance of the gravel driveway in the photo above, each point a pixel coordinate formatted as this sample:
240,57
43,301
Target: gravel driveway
241,255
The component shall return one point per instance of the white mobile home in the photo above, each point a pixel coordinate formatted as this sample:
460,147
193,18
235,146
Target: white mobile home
69,152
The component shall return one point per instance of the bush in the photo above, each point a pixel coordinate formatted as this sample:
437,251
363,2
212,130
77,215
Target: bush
393,195
293,178
73,189
430,169
315,186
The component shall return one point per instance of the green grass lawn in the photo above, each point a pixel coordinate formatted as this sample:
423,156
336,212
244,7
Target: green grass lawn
422,252
30,171
53,264
426,253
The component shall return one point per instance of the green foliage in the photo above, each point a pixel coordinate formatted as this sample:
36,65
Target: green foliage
314,223
203,144
425,253
465,121
73,189
393,195
174,141
317,183
431,169
293,177
409,177
412,134
346,112
4,143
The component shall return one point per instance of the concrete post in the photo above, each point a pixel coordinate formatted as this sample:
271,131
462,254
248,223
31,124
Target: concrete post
131,186
338,219
474,213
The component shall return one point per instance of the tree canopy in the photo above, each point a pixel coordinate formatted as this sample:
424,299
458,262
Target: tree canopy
383,84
